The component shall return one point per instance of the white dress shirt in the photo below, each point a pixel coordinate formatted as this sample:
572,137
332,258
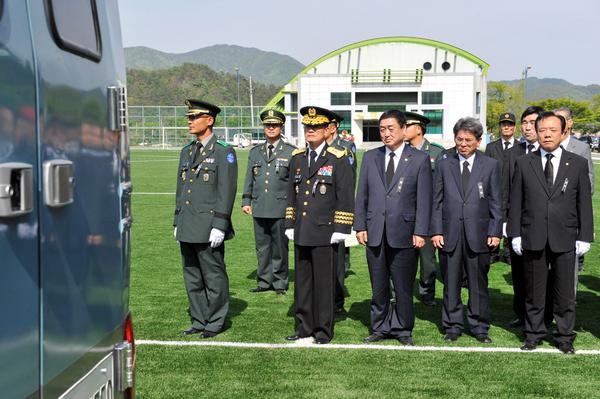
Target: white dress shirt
397,156
470,160
555,160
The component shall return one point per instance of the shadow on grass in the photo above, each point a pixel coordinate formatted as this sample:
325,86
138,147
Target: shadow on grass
236,307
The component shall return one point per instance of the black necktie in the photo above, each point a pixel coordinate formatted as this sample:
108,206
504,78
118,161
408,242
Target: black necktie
549,170
197,149
530,148
270,151
313,157
389,171
465,176
506,144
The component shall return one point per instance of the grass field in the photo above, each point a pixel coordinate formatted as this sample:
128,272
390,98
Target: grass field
159,303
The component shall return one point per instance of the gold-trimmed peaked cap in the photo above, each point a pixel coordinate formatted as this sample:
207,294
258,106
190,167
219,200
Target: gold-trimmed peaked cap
315,115
198,107
508,117
272,116
337,118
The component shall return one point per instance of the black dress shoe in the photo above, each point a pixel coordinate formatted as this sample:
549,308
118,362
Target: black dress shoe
294,337
280,292
529,345
208,334
322,341
566,348
518,322
406,341
428,301
483,338
373,338
191,331
259,289
451,337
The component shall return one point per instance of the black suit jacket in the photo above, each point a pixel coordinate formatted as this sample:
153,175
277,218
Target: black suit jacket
495,150
557,217
320,199
400,210
479,211
510,160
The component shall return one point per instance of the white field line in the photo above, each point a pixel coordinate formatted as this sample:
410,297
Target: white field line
171,193
309,344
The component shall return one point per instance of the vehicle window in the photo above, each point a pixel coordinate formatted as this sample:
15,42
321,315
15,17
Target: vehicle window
74,25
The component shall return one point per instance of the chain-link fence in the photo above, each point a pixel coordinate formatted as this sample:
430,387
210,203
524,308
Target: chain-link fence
166,126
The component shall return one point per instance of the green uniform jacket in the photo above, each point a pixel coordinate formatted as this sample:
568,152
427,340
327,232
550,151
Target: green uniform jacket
266,182
206,188
433,149
349,147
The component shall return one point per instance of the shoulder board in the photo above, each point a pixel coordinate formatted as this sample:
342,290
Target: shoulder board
336,152
437,145
189,144
288,144
298,151
256,146
224,144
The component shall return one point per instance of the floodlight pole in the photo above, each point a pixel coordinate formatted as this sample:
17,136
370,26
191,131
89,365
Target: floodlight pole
527,68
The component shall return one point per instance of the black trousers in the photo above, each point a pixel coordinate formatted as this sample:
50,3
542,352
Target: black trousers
428,270
476,265
517,270
314,291
399,264
272,253
340,273
562,284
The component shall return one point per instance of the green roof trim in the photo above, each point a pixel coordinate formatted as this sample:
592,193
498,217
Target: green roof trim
382,40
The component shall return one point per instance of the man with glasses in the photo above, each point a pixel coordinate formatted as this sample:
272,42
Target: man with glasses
466,223
318,217
206,187
265,198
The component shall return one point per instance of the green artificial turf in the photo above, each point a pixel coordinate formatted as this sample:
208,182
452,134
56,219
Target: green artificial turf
159,303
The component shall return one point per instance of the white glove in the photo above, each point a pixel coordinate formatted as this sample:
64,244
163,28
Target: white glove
337,238
216,238
517,247
289,233
581,247
504,230
175,232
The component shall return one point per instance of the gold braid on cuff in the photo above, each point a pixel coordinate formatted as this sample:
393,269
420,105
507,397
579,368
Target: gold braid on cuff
343,218
290,213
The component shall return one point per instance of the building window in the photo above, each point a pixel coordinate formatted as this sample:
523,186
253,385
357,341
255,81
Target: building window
341,98
75,28
432,97
436,126
386,107
346,123
478,103
294,102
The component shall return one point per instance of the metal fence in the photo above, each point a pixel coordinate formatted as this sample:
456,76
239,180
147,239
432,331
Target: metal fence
166,126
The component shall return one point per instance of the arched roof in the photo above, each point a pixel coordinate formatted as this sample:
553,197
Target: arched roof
394,39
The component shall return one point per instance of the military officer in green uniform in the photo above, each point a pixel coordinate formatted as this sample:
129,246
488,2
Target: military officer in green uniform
319,216
265,198
342,262
206,187
416,127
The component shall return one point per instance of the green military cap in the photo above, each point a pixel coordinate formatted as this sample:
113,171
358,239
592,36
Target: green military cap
337,118
412,118
272,116
508,117
315,115
198,107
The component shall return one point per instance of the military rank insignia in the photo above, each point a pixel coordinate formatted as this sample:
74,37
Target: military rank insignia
209,160
205,177
325,171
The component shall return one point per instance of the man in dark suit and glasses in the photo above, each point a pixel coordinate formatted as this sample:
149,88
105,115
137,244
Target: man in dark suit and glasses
466,223
529,144
393,207
550,219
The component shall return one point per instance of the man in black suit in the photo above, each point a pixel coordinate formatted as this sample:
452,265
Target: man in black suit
498,150
529,144
550,220
318,217
466,222
393,208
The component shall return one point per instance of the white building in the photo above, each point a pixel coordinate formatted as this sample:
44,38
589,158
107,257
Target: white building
361,80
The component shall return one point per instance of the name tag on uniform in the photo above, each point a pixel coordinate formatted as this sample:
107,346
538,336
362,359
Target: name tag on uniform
565,184
480,188
209,160
325,171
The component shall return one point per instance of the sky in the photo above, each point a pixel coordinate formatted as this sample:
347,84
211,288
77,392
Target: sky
558,39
